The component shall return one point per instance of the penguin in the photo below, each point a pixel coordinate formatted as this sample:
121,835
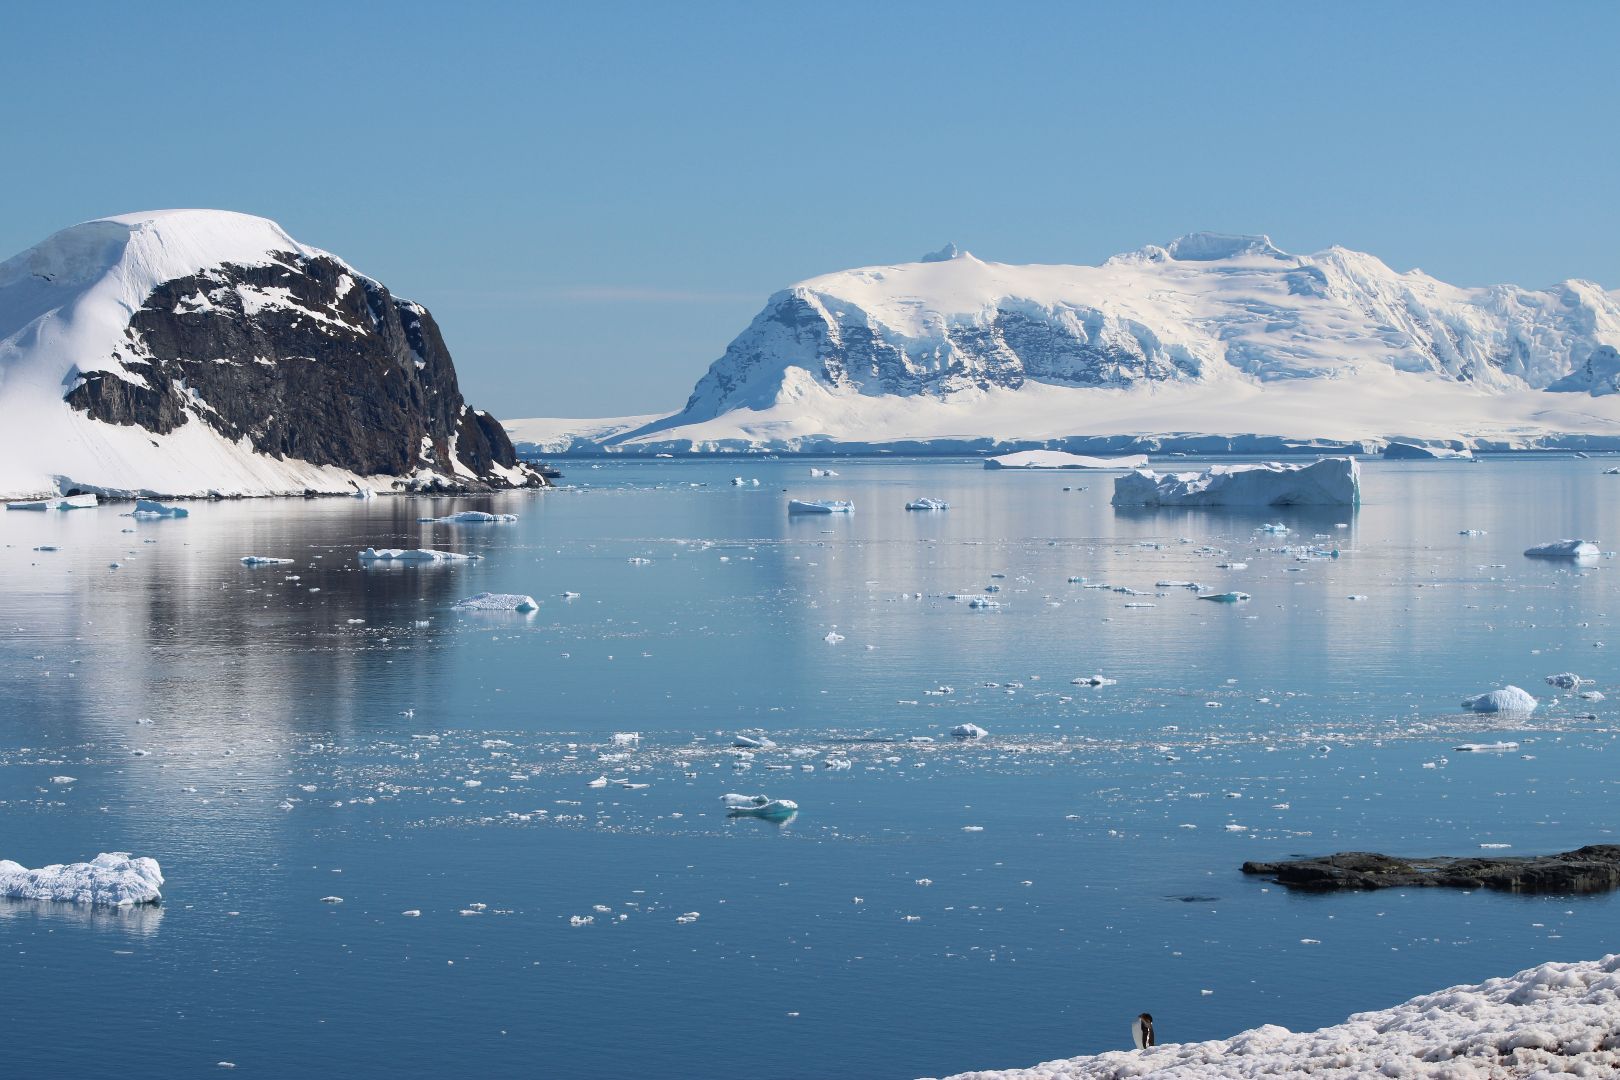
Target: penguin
1142,1031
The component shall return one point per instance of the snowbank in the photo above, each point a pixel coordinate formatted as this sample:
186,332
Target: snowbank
110,878
1057,459
1552,1020
1334,481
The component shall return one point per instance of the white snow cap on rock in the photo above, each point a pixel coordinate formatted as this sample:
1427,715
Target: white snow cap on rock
111,878
1548,1021
1334,481
1509,699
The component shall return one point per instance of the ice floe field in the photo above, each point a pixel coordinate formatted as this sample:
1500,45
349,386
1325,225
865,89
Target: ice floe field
402,837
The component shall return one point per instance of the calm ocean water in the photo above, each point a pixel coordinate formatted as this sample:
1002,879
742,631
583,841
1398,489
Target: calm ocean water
326,730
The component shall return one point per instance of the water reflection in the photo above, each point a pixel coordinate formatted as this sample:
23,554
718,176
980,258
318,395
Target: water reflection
141,920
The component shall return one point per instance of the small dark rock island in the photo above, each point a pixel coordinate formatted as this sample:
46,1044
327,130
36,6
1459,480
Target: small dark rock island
1591,869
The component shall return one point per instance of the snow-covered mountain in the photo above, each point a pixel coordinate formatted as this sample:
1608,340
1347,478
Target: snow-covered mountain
1211,335
185,352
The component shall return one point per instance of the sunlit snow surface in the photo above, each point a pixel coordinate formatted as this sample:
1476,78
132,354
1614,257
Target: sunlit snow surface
1551,1020
278,734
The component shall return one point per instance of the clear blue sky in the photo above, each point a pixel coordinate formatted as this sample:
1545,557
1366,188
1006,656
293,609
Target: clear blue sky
595,198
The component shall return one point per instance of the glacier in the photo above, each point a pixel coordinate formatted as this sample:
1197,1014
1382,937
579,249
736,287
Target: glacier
1552,1020
1208,344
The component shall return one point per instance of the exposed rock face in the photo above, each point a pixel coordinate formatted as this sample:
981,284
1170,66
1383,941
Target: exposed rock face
306,360
1591,869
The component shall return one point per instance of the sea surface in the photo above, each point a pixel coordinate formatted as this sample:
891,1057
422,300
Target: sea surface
327,730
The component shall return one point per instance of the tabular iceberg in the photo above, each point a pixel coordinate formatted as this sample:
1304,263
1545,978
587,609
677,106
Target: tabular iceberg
112,878
489,601
1334,481
829,506
928,504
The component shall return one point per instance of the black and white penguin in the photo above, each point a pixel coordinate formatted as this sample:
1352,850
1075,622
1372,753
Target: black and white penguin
1142,1031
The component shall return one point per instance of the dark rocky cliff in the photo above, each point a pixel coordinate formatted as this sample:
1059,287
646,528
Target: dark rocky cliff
308,360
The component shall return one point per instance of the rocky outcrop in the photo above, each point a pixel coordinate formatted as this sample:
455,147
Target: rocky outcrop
1591,869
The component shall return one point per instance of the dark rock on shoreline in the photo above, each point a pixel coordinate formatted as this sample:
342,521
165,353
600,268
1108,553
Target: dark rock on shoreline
1591,869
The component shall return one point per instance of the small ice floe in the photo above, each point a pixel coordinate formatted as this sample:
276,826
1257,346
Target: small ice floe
837,764
823,506
1591,695
1566,680
1195,586
1077,579
1356,596
470,517
1226,597
64,779
968,731
1496,847
581,920
264,560
151,508
1094,680
973,828
1232,566
759,806
749,742
1237,828
112,878
1470,532
414,555
822,472
1275,528
331,899
983,603
1564,549
413,913
1487,747
362,493
627,738
833,637
70,502
491,601
1509,699
928,504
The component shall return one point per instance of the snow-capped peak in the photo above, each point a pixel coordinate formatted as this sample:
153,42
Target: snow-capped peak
945,254
1213,247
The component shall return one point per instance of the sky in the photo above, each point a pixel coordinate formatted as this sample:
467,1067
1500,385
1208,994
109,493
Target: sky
594,198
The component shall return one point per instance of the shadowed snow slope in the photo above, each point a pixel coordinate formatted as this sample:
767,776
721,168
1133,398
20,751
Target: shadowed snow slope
1212,335
1553,1020
183,352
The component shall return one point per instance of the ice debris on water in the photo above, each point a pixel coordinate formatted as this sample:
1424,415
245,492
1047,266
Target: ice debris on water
759,806
1226,597
264,560
1487,747
469,517
1566,680
1509,699
488,601
413,555
111,878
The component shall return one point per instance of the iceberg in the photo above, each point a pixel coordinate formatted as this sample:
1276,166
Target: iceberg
1334,481
749,742
1564,549
1566,680
1545,1021
468,517
415,555
70,502
759,806
823,472
151,508
264,560
1057,459
828,506
969,731
1405,451
1225,597
1486,747
928,504
111,878
1509,699
490,601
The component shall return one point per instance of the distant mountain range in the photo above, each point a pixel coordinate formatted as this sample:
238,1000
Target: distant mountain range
1209,343
196,352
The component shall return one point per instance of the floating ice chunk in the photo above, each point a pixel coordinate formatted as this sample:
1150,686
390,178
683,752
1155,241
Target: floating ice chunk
264,560
489,601
1232,566
1564,549
1177,585
331,899
70,502
1334,481
1057,459
689,917
413,913
1226,597
1094,680
928,504
1591,695
825,506
599,782
1509,699
969,731
413,555
362,493
1277,528
470,517
833,637
581,920
150,508
1566,680
1487,747
1405,451
751,743
759,806
1356,596
983,603
1470,532
1077,579
822,472
64,779
627,738
111,878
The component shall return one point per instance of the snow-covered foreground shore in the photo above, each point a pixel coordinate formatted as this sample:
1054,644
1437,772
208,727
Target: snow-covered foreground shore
1552,1020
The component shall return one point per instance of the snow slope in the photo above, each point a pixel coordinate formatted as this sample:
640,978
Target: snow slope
67,324
1209,335
1552,1020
